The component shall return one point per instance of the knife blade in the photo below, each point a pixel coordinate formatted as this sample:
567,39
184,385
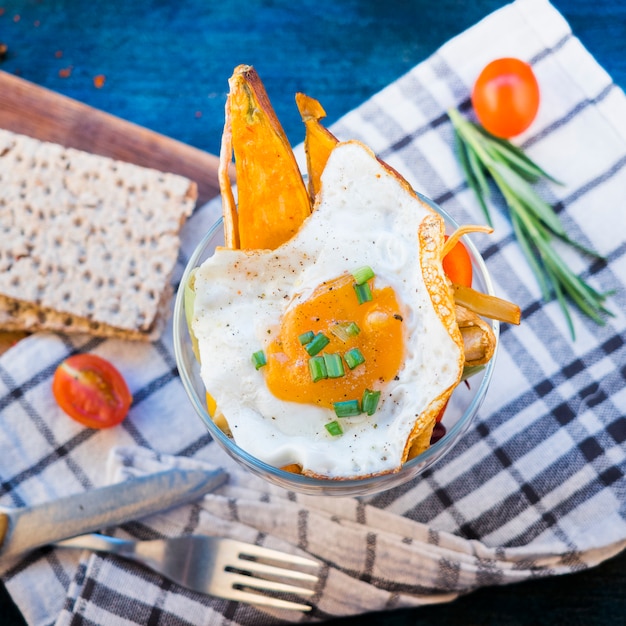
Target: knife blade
26,528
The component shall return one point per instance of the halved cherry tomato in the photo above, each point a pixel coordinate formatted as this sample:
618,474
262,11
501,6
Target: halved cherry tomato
506,97
91,391
457,265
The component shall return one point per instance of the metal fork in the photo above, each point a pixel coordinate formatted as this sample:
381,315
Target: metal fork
218,566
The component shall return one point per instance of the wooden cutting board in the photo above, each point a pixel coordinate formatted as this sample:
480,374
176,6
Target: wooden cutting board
33,110
38,112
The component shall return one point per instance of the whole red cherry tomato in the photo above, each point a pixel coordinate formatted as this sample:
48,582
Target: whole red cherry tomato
91,391
506,97
457,265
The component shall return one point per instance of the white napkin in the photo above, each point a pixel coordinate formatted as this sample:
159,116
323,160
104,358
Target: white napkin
535,488
372,560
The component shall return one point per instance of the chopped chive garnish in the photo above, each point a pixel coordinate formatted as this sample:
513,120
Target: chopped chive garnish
317,368
363,274
354,357
352,328
334,365
318,343
334,428
259,360
363,292
347,408
370,401
306,338
345,330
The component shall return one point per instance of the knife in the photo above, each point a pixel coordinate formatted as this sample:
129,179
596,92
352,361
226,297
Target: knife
26,528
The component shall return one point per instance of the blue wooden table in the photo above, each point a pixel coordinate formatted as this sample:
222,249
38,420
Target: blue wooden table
164,65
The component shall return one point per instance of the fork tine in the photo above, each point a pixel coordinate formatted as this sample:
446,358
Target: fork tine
256,567
267,585
253,598
274,555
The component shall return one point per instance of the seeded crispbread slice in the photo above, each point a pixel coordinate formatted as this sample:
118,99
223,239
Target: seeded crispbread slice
16,315
87,243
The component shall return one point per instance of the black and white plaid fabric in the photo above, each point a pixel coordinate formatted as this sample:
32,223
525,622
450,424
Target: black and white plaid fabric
535,488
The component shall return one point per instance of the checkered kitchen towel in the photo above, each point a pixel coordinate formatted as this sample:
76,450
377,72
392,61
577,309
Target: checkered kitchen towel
535,488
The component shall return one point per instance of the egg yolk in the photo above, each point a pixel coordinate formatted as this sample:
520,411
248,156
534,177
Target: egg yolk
333,303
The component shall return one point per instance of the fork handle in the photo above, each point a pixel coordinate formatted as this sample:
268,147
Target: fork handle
99,543
148,553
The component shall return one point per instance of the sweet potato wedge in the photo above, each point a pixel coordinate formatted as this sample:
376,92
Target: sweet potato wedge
229,206
318,140
272,199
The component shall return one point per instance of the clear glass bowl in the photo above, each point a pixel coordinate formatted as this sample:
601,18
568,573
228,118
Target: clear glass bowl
460,412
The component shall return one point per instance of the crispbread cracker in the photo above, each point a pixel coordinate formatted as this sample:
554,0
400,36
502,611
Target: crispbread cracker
88,243
21,316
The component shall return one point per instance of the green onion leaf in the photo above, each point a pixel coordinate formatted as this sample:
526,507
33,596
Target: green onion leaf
306,338
334,365
353,358
534,221
317,368
334,428
370,401
347,408
363,274
319,342
363,292
518,161
259,360
524,194
481,187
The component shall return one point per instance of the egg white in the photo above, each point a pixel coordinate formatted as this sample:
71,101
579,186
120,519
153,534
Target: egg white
364,216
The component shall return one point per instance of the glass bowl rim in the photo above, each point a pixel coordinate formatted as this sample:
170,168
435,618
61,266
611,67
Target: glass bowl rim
307,482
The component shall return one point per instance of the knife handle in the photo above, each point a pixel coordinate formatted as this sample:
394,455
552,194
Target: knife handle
23,529
4,527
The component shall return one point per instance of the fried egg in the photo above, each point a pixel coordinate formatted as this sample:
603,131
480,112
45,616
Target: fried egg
403,336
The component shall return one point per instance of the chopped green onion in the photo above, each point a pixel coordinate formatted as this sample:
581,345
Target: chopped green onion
259,360
363,274
334,428
347,408
306,338
354,357
352,328
334,365
345,330
317,368
370,401
363,292
319,342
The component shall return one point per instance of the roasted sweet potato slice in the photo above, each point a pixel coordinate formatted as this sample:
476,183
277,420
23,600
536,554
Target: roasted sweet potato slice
318,140
272,200
229,207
